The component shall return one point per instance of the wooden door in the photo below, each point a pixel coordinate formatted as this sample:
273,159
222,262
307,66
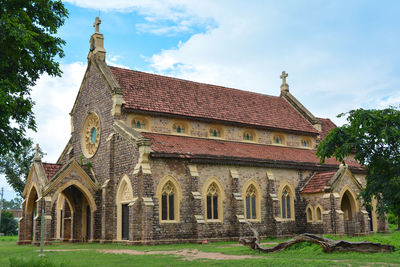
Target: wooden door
125,222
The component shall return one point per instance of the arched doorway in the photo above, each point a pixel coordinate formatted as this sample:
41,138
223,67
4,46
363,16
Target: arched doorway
349,207
31,213
75,214
123,198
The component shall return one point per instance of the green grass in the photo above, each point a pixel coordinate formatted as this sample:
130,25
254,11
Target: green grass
303,254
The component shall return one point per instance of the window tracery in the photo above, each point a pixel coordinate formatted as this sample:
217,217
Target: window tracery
251,206
168,202
248,136
286,203
178,128
212,202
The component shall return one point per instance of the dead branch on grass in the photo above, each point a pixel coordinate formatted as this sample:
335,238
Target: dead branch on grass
327,245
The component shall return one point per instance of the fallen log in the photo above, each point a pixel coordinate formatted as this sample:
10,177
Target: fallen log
327,245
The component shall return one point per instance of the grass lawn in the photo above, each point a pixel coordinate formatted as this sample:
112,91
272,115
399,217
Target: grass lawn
303,254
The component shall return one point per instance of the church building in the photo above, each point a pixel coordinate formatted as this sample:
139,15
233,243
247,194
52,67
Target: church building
155,159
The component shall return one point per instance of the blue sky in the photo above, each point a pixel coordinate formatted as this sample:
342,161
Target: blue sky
340,55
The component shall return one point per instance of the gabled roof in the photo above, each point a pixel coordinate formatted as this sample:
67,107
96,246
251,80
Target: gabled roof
51,169
191,147
326,126
318,182
147,92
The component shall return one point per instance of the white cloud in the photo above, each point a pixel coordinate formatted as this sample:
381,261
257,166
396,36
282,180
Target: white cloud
54,98
112,60
161,16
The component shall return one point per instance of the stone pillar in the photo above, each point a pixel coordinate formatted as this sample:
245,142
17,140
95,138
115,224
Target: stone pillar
364,219
108,211
22,226
72,227
275,208
339,218
237,215
48,219
198,220
149,214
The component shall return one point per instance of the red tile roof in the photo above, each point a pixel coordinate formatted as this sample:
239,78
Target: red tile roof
51,169
326,125
191,147
318,182
155,93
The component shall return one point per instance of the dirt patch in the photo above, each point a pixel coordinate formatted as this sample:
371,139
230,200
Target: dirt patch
239,245
62,250
187,254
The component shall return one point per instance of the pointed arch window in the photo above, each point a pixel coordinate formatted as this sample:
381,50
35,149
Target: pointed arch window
318,214
212,200
248,136
309,214
278,139
251,200
286,203
168,199
180,128
140,123
215,132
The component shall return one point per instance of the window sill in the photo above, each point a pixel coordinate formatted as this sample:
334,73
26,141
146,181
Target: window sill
284,220
169,222
213,221
254,220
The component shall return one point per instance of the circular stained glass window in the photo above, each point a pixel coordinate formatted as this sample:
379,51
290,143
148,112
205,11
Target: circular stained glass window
90,135
93,135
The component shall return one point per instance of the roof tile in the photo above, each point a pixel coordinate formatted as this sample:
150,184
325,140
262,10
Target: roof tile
194,147
318,182
155,93
51,169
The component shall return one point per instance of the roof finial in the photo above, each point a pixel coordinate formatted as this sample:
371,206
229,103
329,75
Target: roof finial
284,86
96,24
37,153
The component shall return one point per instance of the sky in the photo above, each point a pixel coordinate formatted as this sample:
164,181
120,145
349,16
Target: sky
340,55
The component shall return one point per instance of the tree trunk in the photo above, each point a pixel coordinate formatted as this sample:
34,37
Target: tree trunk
327,245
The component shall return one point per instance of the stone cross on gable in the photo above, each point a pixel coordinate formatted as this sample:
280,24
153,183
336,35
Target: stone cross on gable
96,24
284,85
284,76
37,150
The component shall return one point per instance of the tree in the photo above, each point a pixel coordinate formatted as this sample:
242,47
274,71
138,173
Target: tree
12,204
9,225
373,137
28,49
16,166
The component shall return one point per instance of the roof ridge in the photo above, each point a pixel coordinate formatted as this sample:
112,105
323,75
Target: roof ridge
194,82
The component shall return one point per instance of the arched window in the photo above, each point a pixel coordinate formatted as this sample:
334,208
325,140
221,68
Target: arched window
212,202
139,123
251,206
215,132
169,195
318,214
309,214
168,202
287,202
248,136
278,139
179,128
305,142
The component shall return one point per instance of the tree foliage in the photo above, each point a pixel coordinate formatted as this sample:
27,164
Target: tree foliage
16,166
28,48
12,204
9,225
373,137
